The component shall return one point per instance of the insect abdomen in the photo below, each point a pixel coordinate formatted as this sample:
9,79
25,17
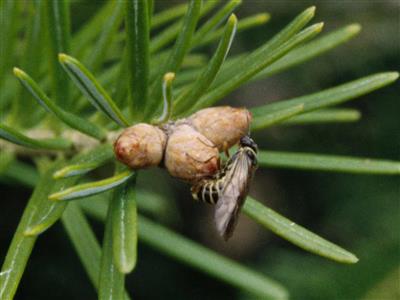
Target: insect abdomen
207,191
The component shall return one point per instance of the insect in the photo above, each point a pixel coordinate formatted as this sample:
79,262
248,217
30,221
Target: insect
228,188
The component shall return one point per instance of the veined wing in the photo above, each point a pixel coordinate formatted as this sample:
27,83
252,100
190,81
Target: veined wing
236,186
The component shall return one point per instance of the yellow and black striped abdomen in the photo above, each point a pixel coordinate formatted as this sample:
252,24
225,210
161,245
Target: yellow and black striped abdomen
207,190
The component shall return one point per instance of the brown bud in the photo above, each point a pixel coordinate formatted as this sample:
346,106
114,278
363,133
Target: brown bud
140,146
190,155
223,125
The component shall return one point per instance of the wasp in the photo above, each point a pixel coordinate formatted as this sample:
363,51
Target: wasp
229,187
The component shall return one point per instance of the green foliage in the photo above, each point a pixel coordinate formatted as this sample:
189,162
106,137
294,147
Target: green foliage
189,97
167,98
68,118
92,188
295,233
132,81
16,137
179,51
111,281
57,20
89,86
124,228
328,163
86,162
84,241
326,116
200,257
332,96
22,244
137,47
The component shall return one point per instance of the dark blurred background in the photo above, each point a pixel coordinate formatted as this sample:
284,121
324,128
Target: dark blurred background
359,212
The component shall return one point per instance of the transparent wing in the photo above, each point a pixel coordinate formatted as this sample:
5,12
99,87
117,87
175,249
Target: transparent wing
233,195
